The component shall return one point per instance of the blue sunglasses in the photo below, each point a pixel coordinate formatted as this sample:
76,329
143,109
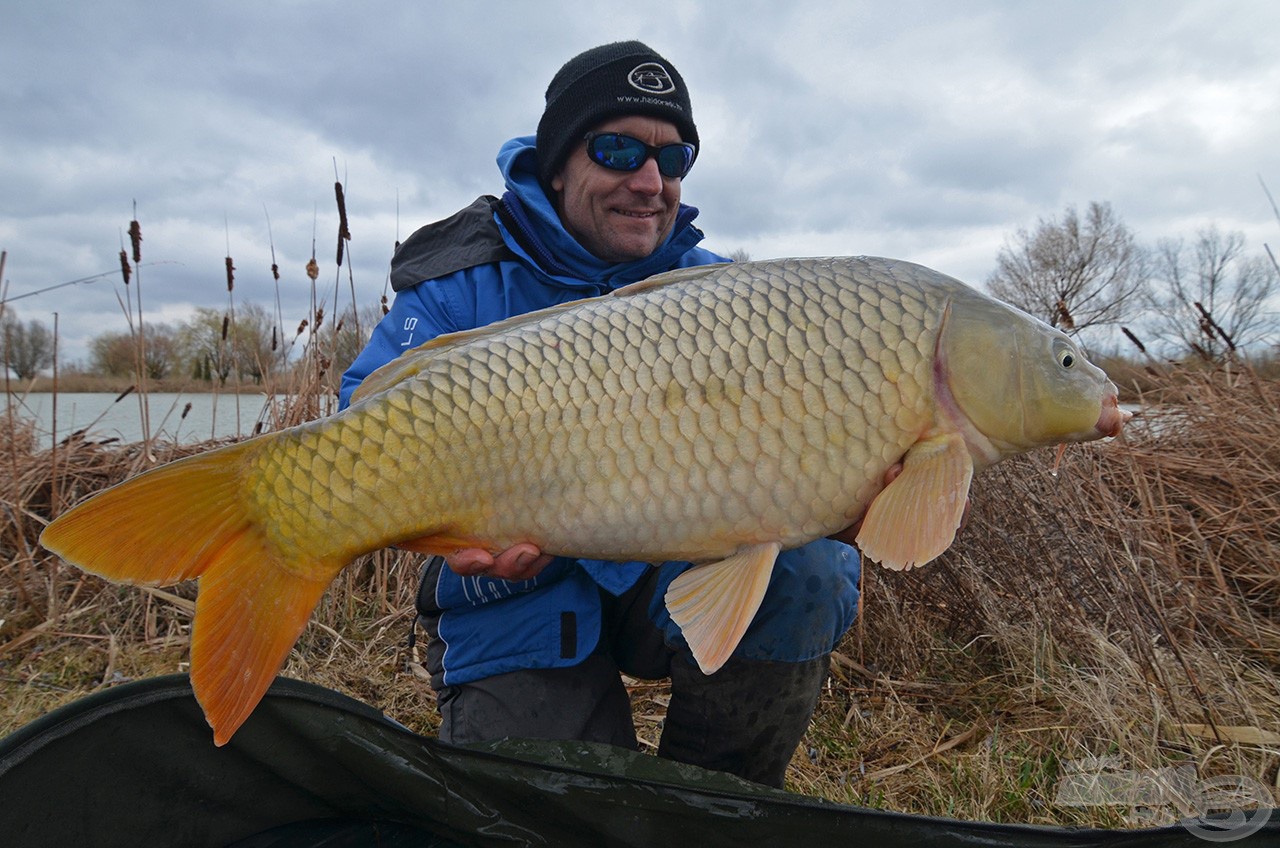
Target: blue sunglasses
619,152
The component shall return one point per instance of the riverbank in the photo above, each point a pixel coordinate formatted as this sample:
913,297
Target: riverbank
1119,614
1133,377
76,383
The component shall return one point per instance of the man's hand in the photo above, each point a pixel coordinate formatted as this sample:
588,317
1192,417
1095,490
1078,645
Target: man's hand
522,561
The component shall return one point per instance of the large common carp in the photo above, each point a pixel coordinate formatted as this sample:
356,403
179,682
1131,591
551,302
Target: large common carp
716,414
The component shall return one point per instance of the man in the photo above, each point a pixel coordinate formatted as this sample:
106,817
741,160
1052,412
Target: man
526,645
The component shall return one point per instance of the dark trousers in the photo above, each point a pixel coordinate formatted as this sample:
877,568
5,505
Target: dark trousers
746,719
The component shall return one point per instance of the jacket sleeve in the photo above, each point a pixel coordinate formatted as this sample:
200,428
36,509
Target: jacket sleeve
417,315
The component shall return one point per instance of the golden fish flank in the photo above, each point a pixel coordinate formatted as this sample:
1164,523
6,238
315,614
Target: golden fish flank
714,414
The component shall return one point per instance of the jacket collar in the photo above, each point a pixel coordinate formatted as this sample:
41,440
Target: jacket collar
531,227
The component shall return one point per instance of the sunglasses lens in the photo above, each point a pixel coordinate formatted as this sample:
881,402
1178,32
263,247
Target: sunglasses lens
619,152
675,160
623,153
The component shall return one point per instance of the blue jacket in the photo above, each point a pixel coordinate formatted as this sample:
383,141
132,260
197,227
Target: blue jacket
509,256
495,259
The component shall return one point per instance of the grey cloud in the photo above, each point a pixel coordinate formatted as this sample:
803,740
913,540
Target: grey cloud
929,130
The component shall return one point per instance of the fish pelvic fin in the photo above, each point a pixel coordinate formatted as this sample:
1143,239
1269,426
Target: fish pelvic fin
189,519
714,603
916,517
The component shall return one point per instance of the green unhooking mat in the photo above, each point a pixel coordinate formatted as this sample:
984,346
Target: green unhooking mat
135,765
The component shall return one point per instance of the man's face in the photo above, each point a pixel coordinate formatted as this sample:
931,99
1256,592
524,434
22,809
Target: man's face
619,215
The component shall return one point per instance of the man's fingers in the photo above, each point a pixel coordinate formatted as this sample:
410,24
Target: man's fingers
521,561
470,562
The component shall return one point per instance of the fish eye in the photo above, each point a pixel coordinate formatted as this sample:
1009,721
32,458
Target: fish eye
1066,357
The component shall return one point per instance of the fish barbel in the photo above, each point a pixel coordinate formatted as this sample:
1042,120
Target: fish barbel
716,414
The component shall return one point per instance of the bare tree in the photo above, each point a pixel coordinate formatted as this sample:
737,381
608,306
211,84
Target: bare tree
28,348
116,353
259,348
113,353
248,345
162,353
1211,297
1074,273
205,342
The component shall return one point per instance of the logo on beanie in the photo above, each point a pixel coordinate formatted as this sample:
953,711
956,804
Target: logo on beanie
651,78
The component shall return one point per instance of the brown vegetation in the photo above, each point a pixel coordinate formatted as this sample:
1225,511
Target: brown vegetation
1125,608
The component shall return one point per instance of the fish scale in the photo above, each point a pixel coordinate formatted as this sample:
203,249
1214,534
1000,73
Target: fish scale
563,432
714,414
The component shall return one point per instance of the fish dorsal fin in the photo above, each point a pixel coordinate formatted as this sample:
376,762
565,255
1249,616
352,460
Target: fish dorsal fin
412,361
393,373
713,604
667,278
916,517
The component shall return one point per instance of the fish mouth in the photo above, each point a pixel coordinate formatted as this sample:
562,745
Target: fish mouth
1112,420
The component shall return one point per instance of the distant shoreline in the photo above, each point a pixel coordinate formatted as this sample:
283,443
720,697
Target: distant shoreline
81,383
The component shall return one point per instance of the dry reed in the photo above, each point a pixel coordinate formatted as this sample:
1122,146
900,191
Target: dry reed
1123,610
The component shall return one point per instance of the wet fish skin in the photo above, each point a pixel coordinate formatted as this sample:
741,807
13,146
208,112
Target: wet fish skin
714,414
621,428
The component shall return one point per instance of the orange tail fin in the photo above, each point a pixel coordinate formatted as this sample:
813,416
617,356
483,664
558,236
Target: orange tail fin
188,519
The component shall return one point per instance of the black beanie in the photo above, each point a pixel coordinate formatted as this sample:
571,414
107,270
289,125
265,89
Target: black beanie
623,78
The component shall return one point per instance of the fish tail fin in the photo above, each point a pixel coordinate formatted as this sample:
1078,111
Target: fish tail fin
189,519
249,613
157,528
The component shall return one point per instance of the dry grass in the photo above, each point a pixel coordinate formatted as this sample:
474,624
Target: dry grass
1125,608
1099,613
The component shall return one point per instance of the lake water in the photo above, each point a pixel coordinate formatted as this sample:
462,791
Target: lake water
174,417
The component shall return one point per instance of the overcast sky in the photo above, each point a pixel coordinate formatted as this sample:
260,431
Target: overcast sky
929,131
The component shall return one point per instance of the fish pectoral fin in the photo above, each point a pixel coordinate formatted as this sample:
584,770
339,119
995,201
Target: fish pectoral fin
916,517
714,603
249,613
